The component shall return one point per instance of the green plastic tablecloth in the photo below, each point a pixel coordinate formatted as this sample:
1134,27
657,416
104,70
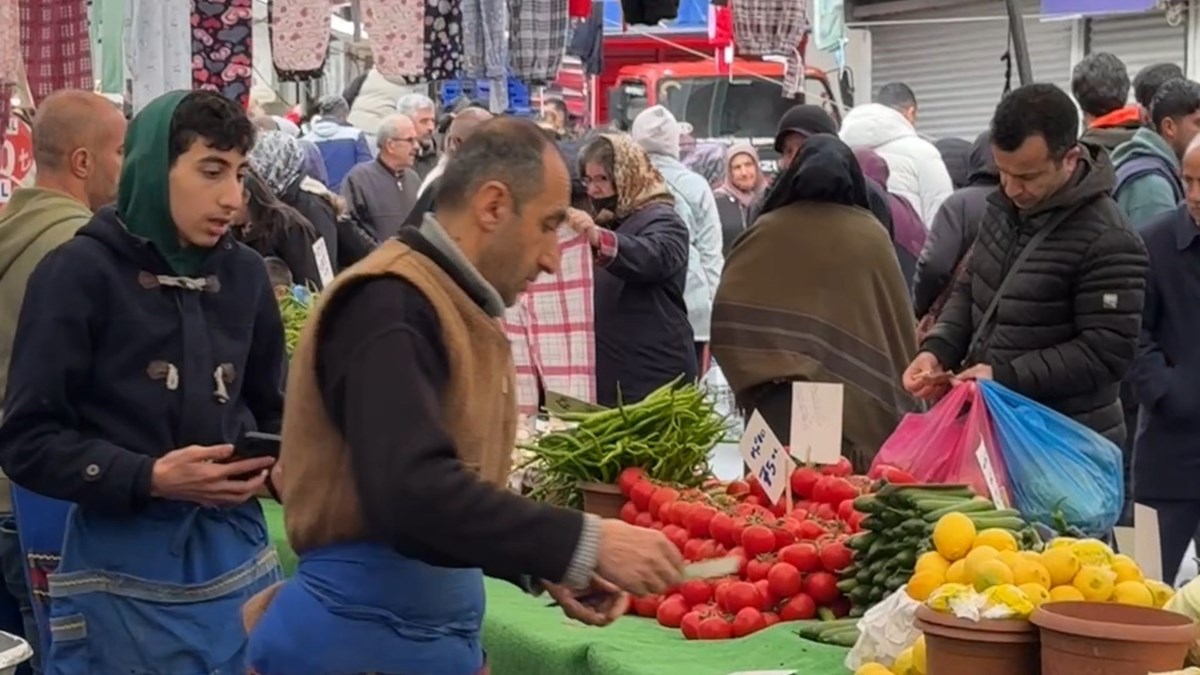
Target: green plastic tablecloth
523,636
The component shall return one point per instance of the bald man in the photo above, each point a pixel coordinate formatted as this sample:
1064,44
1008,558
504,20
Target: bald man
1166,373
78,143
465,123
381,193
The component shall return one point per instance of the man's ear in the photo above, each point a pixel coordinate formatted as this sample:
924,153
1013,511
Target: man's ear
492,205
81,163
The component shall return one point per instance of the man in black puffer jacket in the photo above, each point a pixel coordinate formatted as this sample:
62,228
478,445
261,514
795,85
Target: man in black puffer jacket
1065,330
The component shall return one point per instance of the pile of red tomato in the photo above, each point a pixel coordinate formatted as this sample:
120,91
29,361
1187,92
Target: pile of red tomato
790,559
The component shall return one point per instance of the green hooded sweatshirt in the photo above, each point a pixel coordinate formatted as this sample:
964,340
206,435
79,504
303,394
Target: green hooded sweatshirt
144,200
1147,196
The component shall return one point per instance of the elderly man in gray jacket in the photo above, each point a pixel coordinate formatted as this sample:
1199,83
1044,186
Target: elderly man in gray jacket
658,132
381,192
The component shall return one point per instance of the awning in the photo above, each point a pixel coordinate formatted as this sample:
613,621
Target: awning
1086,7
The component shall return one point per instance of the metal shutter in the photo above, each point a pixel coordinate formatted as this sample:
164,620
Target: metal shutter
1139,40
956,70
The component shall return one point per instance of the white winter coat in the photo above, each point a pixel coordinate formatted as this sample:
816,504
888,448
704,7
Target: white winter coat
917,171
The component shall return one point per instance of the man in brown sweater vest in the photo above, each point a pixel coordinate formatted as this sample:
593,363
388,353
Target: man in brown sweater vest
399,422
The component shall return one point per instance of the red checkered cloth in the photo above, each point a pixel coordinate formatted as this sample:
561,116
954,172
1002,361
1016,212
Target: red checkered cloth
55,44
551,329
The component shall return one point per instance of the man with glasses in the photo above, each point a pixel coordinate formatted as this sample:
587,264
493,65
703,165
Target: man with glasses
381,193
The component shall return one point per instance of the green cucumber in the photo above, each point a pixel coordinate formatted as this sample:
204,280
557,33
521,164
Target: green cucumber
847,585
1010,523
972,506
847,637
862,542
866,504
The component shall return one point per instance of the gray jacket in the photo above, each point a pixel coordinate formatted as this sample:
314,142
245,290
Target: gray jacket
380,199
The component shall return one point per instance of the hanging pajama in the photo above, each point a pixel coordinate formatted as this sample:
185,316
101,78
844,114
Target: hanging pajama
537,39
772,27
443,42
395,30
649,12
158,48
221,42
299,38
56,46
485,48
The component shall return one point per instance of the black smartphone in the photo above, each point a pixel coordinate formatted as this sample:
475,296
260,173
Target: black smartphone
255,444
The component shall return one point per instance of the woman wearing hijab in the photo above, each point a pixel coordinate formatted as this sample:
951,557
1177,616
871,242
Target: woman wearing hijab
744,184
279,160
643,337
148,344
276,230
813,292
709,160
908,232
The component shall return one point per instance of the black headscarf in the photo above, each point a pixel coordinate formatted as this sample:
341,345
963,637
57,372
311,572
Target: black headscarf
824,170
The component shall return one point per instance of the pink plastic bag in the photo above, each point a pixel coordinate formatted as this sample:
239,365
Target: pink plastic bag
941,446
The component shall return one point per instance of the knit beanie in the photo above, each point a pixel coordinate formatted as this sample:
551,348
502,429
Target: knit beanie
657,131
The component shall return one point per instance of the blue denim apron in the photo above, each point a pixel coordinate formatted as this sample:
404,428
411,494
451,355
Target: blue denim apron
159,592
363,608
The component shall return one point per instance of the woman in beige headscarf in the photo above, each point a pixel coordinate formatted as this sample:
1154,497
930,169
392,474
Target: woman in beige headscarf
643,337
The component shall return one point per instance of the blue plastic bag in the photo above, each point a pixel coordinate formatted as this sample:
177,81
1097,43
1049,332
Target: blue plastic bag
1056,466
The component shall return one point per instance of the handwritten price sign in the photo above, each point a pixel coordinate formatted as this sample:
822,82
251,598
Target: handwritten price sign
558,404
765,456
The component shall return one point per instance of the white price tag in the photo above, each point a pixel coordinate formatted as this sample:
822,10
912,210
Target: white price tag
324,266
989,476
765,456
816,422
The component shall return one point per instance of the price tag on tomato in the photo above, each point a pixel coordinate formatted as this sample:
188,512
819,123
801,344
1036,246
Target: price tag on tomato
558,404
765,456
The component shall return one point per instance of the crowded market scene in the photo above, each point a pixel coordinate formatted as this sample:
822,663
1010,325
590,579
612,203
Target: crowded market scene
599,403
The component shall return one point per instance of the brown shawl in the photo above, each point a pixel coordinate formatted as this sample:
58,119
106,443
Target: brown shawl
813,292
637,182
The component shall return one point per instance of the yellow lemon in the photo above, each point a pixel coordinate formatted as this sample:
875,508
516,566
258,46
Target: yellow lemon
1162,592
1126,570
873,669
1133,593
1038,594
1095,583
1066,594
1011,558
920,664
1062,565
978,556
1061,541
1093,552
923,584
1122,558
1030,572
1001,540
957,572
931,562
991,573
904,663
953,536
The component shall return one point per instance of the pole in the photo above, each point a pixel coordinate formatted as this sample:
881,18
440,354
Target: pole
1020,46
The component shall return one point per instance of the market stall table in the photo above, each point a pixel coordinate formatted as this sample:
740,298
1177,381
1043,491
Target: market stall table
523,636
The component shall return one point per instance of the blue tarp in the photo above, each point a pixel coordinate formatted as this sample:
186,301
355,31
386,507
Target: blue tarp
1095,6
693,16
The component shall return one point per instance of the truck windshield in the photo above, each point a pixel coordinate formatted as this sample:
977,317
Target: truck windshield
718,106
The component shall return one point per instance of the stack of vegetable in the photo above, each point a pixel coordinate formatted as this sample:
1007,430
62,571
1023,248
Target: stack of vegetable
897,529
294,306
840,632
669,434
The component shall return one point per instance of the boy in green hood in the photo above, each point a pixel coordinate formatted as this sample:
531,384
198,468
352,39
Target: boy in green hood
148,344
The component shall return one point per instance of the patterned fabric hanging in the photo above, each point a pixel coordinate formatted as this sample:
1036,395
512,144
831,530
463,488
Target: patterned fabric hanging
772,27
158,48
10,58
221,44
537,39
56,46
398,47
299,38
485,48
443,42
